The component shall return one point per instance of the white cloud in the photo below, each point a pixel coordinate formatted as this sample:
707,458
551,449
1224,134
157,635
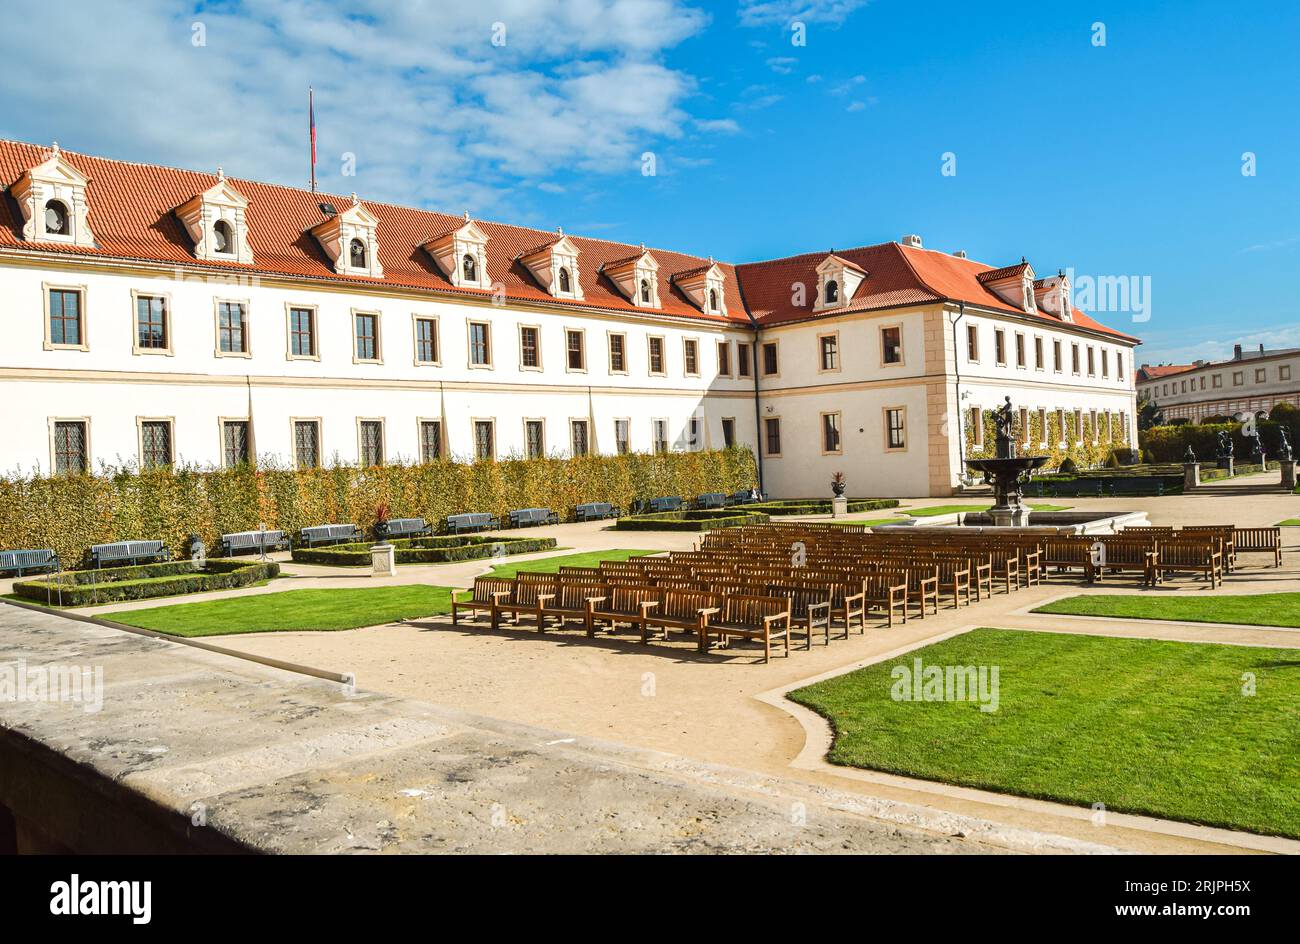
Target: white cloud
717,125
782,65
1166,348
784,12
433,111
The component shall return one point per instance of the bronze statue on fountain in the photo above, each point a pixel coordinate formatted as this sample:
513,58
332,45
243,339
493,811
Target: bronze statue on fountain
1006,472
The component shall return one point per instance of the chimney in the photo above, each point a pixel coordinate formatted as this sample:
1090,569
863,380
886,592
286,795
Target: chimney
1236,352
1145,366
960,253
911,241
1261,349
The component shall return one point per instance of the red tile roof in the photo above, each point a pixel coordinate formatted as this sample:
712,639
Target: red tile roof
131,214
1146,372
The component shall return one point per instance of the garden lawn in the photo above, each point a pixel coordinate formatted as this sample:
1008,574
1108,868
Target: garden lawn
292,610
953,509
1289,523
1256,609
1144,726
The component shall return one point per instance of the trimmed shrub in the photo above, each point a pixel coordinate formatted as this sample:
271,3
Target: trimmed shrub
816,506
114,585
1169,443
71,512
703,520
435,550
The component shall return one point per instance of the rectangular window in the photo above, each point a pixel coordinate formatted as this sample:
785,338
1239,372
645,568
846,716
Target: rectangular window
830,432
426,341
977,427
1238,378
742,358
575,350
724,358
622,436
694,441
972,344
232,328
691,357
1119,366
1284,372
1074,358
66,327
367,335
234,442
530,350
1060,426
372,442
1260,374
430,440
1105,363
155,443
1042,425
656,348
770,364
891,345
578,437
1024,426
1218,380
1038,353
618,353
1056,356
534,439
830,351
306,443
1092,364
895,428
70,447
659,428
772,435
484,440
302,332
1000,346
1078,425
480,345
728,431
1092,416
1020,350
151,323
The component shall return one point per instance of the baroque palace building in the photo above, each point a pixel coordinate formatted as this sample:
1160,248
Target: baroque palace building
1252,382
154,316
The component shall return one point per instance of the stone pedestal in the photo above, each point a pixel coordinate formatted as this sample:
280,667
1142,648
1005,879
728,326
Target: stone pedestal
1225,462
383,560
1007,516
1191,476
1288,474
839,506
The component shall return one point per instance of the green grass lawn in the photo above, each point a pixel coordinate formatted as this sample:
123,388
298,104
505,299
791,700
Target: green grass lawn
550,565
1143,726
291,610
1289,523
1255,609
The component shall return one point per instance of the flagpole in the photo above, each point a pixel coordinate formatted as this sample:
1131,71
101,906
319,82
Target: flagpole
311,122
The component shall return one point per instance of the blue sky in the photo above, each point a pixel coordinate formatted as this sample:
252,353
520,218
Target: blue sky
1117,160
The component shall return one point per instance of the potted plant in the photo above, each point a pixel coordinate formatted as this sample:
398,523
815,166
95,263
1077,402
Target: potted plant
838,484
382,513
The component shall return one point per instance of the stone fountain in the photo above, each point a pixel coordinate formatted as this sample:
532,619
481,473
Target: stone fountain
1006,473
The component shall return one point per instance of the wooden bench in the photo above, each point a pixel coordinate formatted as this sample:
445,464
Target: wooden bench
887,590
1069,553
132,552
1259,540
486,596
1132,555
401,528
595,511
329,534
29,561
471,521
711,500
571,599
810,608
683,609
623,604
532,517
749,617
259,541
1201,556
530,596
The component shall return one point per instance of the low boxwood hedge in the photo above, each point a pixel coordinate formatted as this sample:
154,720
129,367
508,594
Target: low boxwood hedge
142,582
431,550
817,506
700,520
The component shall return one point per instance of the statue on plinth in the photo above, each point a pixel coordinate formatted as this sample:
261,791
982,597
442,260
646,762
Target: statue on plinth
1284,444
1005,439
1190,455
1225,444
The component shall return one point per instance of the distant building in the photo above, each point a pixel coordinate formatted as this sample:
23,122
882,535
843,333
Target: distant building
1251,382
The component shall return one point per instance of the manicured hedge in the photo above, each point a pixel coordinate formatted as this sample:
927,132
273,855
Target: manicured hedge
434,550
703,520
70,513
817,506
1169,443
117,584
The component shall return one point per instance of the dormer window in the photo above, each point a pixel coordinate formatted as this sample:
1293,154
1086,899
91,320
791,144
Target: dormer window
223,237
837,280
713,299
555,267
645,292
52,198
460,251
217,223
468,268
1014,284
357,254
565,286
56,219
703,286
636,277
350,240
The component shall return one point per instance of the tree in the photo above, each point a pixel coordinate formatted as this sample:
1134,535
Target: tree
1149,414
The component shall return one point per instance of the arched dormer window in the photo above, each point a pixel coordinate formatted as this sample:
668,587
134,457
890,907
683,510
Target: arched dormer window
645,291
832,292
469,269
223,237
56,219
357,254
565,284
713,299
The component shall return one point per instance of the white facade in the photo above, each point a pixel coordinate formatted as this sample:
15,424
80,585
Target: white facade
1252,382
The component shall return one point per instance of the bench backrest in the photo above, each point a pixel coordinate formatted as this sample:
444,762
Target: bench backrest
628,599
572,595
38,557
1257,539
120,549
484,587
750,611
681,603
